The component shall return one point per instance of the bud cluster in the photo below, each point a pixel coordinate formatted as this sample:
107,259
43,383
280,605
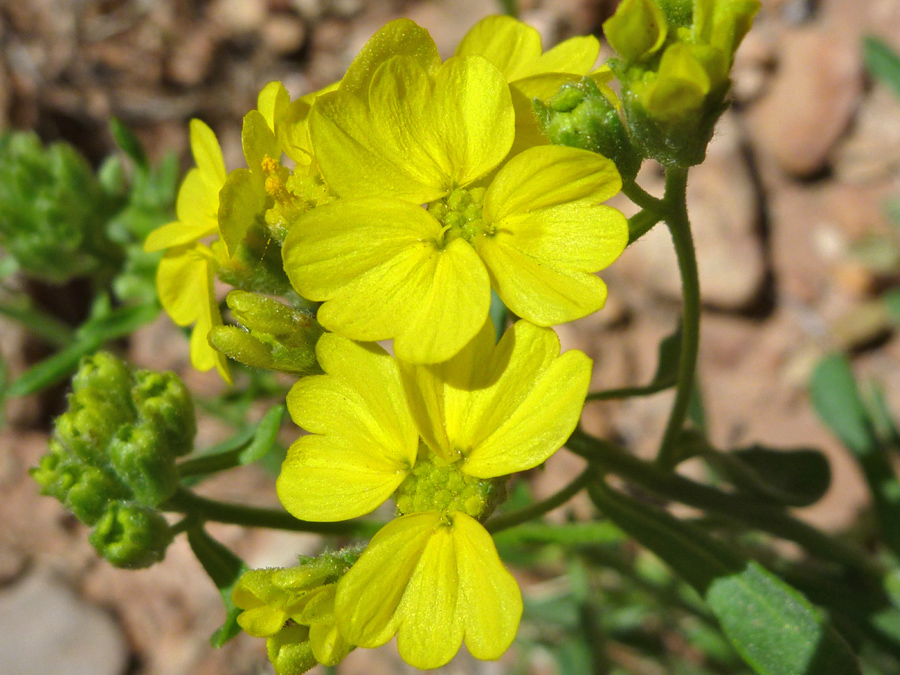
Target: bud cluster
293,608
112,456
272,335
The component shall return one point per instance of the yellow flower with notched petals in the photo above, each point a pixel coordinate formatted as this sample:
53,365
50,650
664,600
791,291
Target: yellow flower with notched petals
423,135
440,438
184,279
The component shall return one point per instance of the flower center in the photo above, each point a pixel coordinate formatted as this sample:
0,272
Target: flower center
432,486
460,214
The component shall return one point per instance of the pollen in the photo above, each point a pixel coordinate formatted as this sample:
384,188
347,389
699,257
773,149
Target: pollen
460,214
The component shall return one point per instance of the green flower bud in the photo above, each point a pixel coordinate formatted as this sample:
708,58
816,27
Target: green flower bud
53,211
290,652
636,30
85,490
277,337
580,116
104,372
164,400
140,459
131,536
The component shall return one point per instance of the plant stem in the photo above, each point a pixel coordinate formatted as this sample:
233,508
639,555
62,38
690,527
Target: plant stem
202,508
538,509
641,197
747,510
627,392
680,228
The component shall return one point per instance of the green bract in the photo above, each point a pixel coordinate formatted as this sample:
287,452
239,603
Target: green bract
112,456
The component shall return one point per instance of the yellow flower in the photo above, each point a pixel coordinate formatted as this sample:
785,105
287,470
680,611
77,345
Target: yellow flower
441,437
184,279
267,192
425,133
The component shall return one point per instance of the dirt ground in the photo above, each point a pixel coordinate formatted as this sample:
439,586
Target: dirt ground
795,183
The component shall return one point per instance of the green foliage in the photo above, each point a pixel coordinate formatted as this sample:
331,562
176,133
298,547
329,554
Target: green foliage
225,569
882,62
111,459
53,211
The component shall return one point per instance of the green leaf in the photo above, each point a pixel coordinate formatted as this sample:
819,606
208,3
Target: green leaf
119,322
53,369
224,568
836,399
129,143
265,436
882,62
567,534
891,301
770,624
796,477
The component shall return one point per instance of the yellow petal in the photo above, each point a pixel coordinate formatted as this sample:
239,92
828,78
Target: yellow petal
470,119
207,153
538,426
369,594
551,233
241,203
363,440
431,627
576,55
433,579
375,147
258,140
512,46
273,99
400,37
377,265
414,138
440,394
203,355
489,597
262,621
183,282
453,300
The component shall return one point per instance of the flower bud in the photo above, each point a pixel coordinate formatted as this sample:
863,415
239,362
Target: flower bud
131,536
275,336
138,456
580,116
164,400
290,652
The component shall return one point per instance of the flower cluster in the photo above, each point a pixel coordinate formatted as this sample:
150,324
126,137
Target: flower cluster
398,199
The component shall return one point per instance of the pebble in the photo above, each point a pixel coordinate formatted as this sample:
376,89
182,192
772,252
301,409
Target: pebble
872,150
47,629
811,102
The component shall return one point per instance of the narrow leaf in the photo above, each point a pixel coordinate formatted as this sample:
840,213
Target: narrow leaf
796,477
53,369
224,568
882,62
265,436
129,143
771,625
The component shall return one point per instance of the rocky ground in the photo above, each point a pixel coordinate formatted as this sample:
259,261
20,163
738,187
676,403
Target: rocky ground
785,212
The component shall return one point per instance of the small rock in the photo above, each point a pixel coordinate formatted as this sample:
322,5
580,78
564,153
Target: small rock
189,62
872,150
47,629
284,33
239,17
811,102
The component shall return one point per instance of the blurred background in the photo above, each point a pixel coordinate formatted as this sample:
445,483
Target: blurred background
799,252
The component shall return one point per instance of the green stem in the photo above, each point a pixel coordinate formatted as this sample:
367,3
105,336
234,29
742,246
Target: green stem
627,392
538,509
641,223
201,508
641,197
748,510
221,461
680,228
